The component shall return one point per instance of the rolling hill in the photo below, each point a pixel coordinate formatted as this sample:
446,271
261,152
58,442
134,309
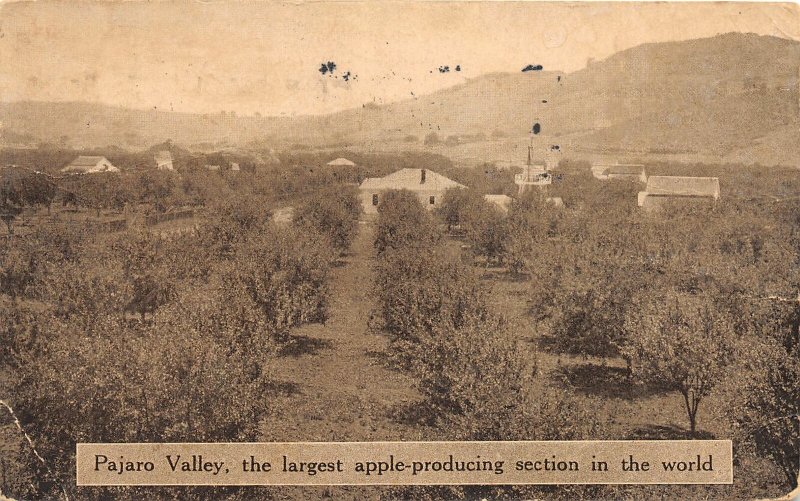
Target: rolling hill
715,96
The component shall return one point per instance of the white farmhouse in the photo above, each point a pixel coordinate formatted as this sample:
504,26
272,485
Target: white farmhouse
428,186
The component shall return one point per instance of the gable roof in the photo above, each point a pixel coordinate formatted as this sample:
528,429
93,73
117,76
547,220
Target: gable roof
90,164
341,161
683,186
410,179
87,161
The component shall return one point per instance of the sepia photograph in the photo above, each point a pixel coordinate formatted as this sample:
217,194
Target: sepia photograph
375,229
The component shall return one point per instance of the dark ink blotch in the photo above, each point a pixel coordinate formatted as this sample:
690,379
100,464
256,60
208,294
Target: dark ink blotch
328,67
531,67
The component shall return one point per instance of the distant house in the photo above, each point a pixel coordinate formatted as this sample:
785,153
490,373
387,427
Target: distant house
502,202
678,188
556,201
163,160
341,162
212,167
235,167
428,185
633,172
89,165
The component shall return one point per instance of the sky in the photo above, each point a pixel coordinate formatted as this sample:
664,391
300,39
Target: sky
206,57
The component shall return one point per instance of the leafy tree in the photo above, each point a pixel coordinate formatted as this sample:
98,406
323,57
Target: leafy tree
530,223
766,406
333,213
230,222
282,275
419,290
168,382
681,344
155,188
460,206
144,267
404,222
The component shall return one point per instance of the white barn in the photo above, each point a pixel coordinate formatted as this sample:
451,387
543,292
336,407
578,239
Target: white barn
86,164
678,188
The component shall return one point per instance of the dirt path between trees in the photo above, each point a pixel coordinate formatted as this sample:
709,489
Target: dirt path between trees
333,383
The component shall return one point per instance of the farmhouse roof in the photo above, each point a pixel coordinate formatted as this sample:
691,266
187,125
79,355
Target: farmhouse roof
411,179
341,161
683,186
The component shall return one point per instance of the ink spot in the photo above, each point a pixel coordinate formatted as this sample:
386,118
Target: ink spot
544,100
444,69
346,76
536,128
328,67
531,67
558,78
555,147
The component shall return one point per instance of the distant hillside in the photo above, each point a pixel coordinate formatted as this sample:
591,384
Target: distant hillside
732,92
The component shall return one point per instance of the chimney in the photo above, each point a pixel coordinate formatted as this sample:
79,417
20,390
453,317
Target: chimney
422,177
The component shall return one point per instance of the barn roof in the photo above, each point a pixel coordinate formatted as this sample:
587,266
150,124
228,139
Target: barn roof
341,161
683,186
410,179
86,161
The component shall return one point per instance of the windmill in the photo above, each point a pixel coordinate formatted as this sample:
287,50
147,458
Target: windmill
533,174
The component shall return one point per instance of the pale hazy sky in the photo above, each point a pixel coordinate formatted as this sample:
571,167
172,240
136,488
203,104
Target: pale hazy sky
265,57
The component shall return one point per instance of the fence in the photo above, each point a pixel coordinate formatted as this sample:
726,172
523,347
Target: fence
155,219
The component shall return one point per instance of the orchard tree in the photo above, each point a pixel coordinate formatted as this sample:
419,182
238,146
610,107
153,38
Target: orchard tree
333,213
113,383
766,411
459,206
682,344
404,223
283,275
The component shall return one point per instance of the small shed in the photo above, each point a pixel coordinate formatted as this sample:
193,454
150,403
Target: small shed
502,202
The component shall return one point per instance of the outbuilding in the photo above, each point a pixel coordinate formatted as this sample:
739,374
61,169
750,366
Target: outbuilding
86,164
